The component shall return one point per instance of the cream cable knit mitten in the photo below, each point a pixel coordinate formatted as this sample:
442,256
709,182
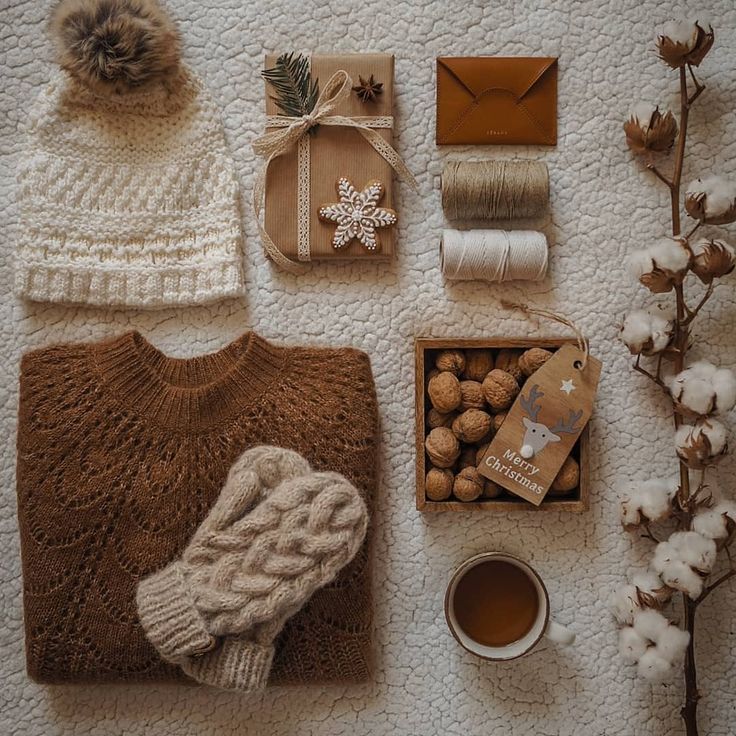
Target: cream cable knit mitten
277,533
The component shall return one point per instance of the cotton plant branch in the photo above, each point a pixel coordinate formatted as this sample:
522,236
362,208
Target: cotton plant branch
683,562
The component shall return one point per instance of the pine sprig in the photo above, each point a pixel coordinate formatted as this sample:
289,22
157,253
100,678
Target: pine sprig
296,91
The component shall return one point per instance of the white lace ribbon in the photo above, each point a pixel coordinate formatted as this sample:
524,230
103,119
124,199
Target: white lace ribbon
291,131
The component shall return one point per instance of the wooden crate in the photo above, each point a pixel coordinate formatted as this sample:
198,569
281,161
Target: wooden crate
425,350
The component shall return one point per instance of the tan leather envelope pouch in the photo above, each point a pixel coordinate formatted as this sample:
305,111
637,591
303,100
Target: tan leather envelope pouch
497,100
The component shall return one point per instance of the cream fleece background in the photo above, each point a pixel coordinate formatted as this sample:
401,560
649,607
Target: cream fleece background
603,205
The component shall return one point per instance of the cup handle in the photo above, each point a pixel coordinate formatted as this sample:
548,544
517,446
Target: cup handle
558,633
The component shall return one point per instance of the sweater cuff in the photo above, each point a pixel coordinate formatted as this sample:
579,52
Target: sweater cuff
169,617
236,664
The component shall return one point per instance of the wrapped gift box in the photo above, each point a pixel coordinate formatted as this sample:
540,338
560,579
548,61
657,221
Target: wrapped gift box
334,152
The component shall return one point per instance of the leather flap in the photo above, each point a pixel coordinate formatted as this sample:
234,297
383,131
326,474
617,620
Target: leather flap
481,75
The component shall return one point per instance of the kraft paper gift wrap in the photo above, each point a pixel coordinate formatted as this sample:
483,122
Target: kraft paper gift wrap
334,152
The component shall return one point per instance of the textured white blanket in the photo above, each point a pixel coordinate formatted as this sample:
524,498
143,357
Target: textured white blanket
604,204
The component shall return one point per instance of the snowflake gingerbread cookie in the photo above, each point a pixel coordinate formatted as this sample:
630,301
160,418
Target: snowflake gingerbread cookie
357,214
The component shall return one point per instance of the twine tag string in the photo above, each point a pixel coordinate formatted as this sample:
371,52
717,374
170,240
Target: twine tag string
294,131
582,340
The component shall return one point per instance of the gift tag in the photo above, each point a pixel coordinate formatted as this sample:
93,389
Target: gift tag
543,425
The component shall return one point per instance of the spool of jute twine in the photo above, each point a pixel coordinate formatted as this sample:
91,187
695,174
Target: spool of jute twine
493,255
494,190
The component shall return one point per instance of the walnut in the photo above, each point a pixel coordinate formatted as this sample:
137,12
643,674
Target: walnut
533,359
491,489
444,392
500,389
468,484
439,419
472,425
451,360
442,447
567,479
467,458
480,452
498,420
478,364
508,360
438,484
472,395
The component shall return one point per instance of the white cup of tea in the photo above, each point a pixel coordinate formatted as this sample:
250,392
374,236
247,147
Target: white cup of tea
497,607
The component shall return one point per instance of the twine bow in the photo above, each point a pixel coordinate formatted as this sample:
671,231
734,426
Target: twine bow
293,131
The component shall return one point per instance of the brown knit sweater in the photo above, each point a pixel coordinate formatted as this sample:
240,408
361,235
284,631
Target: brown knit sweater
121,453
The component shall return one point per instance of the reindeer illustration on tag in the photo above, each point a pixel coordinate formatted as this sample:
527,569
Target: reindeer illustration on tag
538,435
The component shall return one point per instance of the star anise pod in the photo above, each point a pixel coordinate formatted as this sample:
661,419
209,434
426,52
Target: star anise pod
368,89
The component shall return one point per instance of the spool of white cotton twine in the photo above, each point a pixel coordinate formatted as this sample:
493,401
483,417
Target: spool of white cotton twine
493,255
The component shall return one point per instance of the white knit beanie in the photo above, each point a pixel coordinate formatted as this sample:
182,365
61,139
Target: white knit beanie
128,195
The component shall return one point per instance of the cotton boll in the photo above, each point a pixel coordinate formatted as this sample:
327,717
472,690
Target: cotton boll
703,388
636,331
683,32
657,495
642,112
648,581
682,577
650,624
724,384
719,191
648,129
647,333
627,600
661,265
670,255
726,508
653,667
650,584
674,572
710,523
715,522
712,259
624,604
649,500
672,644
696,397
695,550
664,554
701,444
712,200
639,262
631,512
684,42
631,644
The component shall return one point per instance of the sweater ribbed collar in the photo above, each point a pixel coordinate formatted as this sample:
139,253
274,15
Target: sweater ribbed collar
188,392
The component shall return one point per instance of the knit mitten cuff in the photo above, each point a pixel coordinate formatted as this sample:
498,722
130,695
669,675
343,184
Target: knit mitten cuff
169,617
236,664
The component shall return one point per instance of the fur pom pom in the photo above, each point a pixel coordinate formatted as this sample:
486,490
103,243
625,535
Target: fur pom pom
116,45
